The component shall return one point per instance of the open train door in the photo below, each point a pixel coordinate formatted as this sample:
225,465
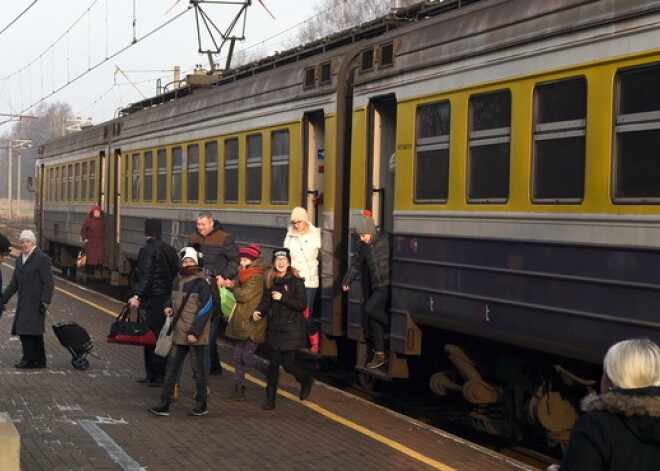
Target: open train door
379,197
314,165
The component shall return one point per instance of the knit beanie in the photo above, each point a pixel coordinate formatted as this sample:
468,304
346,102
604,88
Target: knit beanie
27,234
152,227
189,252
299,214
251,252
365,225
283,252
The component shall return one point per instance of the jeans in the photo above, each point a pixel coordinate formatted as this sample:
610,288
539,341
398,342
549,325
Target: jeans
377,317
174,364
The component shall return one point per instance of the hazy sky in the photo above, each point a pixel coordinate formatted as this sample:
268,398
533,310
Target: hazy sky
38,56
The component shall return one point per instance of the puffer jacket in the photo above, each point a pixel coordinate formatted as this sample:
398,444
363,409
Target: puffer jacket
155,273
286,325
219,251
304,249
620,431
376,255
248,295
194,318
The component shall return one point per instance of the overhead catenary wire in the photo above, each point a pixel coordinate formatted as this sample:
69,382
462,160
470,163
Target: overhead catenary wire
100,63
18,17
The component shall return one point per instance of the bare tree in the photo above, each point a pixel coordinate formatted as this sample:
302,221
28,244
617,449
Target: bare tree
50,122
333,16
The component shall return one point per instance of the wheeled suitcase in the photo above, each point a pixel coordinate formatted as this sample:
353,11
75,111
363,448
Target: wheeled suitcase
75,338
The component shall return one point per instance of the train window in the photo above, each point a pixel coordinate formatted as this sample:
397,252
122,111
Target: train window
83,182
65,179
211,172
637,135
70,182
489,147
231,170
254,168
326,73
310,77
76,182
279,177
559,141
135,188
192,164
58,183
432,153
51,184
177,168
126,177
148,175
367,60
92,181
387,55
161,183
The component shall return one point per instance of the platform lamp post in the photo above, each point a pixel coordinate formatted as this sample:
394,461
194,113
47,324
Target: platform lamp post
14,144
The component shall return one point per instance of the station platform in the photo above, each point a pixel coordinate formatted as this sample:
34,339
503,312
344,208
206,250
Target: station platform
98,420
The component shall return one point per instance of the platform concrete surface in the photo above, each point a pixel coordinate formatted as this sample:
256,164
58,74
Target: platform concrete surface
98,419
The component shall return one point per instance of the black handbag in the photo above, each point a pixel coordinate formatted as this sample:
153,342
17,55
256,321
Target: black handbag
128,332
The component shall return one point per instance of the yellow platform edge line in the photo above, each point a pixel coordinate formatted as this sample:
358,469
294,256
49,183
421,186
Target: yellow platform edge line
310,405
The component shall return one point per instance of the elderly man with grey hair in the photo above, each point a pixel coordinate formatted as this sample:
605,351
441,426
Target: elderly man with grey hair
33,280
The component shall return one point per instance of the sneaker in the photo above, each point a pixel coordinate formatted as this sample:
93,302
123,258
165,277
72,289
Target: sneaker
163,409
199,409
377,361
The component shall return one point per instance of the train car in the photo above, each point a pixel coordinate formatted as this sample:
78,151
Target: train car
506,146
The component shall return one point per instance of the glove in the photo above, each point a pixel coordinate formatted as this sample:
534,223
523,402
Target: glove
43,308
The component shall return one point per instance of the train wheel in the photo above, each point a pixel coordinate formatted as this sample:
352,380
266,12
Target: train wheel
80,364
368,382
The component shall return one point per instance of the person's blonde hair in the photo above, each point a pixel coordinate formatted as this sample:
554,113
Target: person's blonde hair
633,363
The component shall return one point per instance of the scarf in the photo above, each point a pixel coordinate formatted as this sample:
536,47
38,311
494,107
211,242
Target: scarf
247,273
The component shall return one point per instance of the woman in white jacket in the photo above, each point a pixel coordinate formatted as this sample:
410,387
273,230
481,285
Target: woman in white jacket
303,239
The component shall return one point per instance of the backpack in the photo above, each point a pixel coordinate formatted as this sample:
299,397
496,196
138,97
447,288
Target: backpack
170,257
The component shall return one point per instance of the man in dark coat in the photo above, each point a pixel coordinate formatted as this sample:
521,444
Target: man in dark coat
33,280
220,261
157,265
373,251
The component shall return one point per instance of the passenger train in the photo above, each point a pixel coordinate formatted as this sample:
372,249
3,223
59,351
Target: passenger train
509,148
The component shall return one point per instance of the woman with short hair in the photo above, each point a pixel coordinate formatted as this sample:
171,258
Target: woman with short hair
621,427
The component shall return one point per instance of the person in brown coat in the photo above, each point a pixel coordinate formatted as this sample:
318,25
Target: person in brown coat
91,233
248,288
191,297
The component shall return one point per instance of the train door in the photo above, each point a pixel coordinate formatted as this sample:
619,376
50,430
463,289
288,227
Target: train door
381,161
379,199
314,165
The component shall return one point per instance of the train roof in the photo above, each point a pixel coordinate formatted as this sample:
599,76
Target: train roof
377,27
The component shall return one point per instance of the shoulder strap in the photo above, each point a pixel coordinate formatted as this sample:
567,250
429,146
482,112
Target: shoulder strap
178,313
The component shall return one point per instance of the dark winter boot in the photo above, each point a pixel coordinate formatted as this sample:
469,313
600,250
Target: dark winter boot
306,387
377,361
199,409
162,409
271,393
237,395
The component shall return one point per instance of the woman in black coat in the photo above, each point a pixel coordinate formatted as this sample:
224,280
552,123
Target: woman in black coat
33,280
285,298
621,427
